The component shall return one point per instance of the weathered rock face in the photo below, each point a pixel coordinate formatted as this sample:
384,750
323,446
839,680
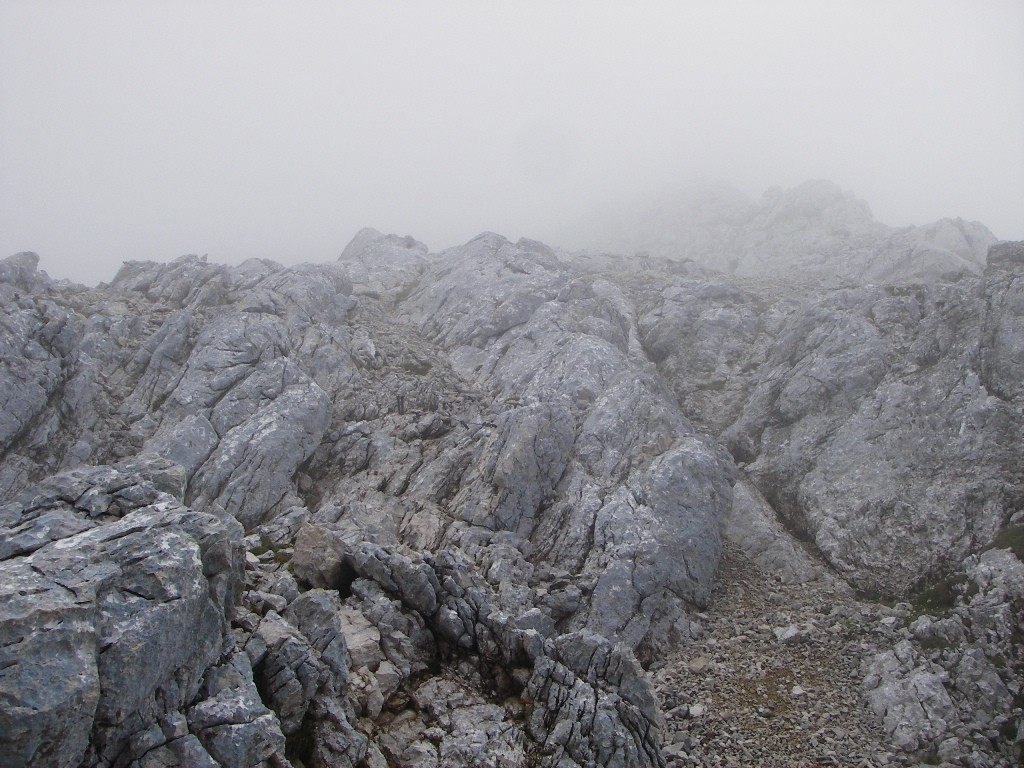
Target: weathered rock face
581,495
817,229
708,338
592,466
951,688
1002,368
115,604
443,509
874,430
382,265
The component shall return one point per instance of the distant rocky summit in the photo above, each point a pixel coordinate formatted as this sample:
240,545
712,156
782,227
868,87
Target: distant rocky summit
816,230
452,509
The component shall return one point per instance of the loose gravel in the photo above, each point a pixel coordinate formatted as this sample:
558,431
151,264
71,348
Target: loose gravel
774,680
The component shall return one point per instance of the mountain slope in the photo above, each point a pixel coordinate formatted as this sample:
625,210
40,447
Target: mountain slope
444,508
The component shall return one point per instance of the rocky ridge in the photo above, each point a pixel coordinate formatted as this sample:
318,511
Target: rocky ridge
446,509
816,230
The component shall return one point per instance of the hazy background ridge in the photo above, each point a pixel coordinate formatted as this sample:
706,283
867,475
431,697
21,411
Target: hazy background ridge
147,130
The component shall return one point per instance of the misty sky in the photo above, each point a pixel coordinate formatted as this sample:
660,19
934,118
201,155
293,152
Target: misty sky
147,130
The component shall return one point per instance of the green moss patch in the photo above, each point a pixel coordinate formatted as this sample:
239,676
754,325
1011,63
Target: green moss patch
1011,538
941,596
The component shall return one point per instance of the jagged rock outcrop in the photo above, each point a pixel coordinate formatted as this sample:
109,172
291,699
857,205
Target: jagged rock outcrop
115,602
708,338
116,647
951,687
519,420
814,233
590,701
444,509
280,410
818,230
873,432
383,265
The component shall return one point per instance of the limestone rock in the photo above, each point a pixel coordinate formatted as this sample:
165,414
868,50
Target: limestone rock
318,557
752,525
231,722
111,623
873,432
814,232
483,490
959,673
383,264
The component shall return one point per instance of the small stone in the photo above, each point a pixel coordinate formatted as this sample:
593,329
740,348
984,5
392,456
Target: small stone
678,713
674,750
698,664
789,634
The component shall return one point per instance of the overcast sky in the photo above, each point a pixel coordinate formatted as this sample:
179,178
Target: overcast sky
146,130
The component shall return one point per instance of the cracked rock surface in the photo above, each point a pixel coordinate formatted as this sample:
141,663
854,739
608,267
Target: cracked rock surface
469,508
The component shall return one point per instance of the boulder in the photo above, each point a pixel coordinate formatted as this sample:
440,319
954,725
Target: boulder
113,614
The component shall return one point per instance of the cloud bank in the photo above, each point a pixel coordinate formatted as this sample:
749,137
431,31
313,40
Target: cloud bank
277,130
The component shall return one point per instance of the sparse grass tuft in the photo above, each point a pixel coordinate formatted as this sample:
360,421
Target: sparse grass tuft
941,596
934,643
1011,538
281,555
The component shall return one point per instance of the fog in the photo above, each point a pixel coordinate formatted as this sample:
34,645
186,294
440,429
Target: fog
277,130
